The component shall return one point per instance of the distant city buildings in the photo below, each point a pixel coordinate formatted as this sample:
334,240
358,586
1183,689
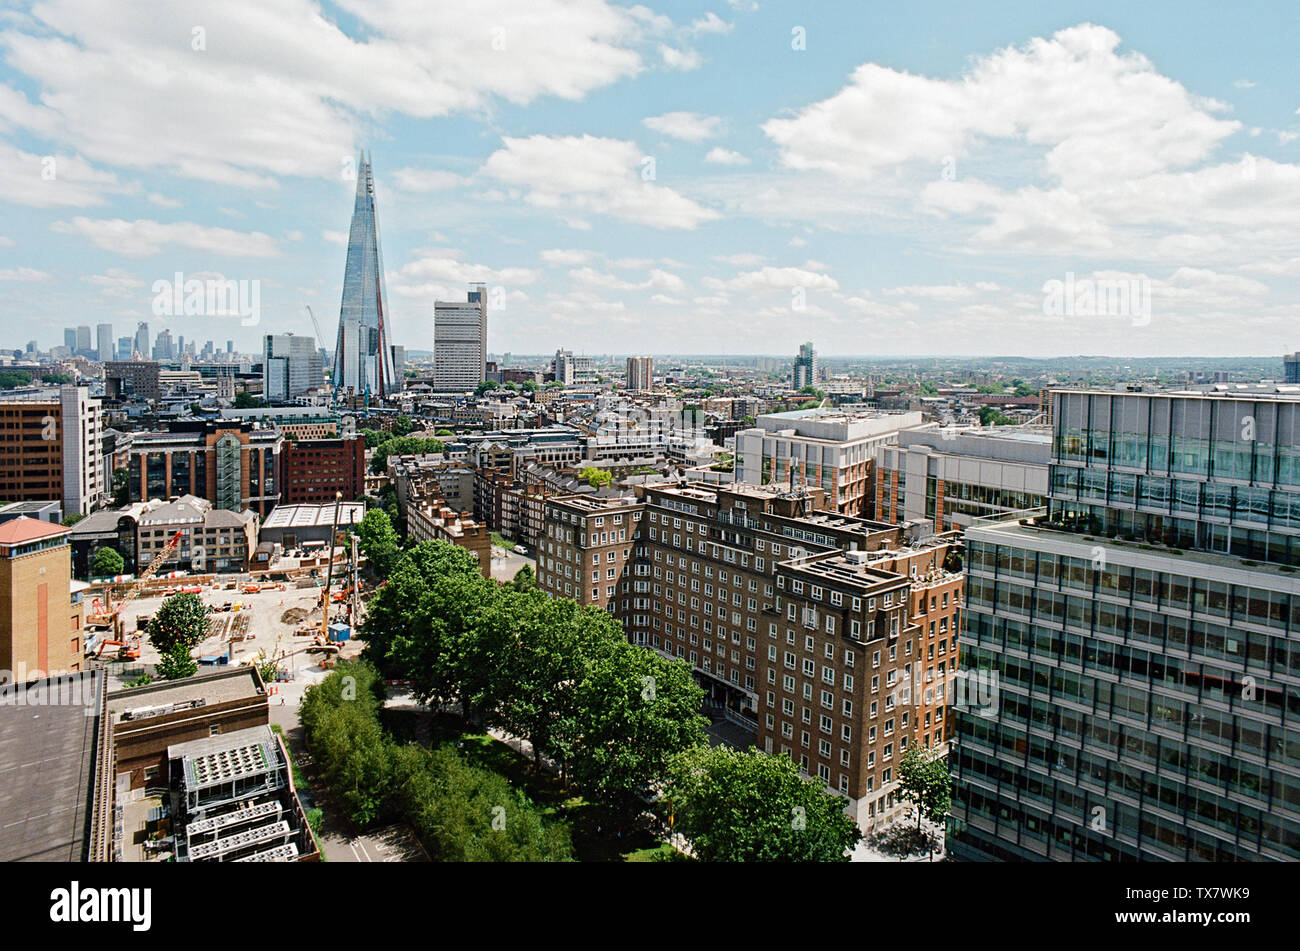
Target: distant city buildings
1291,368
104,342
460,342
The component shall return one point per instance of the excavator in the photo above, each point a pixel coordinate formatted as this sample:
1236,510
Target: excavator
114,614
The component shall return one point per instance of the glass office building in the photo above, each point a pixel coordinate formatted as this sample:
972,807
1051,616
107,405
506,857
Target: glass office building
362,362
1144,628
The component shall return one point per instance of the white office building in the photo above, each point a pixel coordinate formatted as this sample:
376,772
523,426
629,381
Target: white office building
460,342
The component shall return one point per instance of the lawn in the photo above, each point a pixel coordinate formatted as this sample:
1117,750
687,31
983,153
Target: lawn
590,825
502,542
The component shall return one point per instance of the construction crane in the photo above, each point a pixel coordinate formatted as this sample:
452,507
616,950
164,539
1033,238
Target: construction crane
115,615
320,339
329,575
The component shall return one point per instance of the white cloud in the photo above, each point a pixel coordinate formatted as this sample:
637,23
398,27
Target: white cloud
279,89
26,275
781,277
565,257
591,175
710,23
52,181
1244,84
657,279
687,126
683,59
426,179
117,283
142,237
721,156
162,201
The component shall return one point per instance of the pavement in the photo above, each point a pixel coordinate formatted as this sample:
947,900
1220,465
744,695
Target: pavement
506,564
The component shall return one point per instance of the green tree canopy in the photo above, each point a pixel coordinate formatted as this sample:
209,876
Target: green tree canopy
923,781
246,400
750,806
181,619
529,386
402,446
176,663
378,541
595,477
72,518
121,487
485,387
402,425
107,561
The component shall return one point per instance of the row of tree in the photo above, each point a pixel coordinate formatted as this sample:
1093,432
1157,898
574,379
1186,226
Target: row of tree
460,812
561,676
623,723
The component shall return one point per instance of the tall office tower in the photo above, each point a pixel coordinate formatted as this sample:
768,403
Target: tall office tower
640,373
1291,367
230,346
84,347
142,339
460,342
1142,629
805,367
51,447
164,348
291,366
70,338
104,342
398,356
31,346
125,345
361,360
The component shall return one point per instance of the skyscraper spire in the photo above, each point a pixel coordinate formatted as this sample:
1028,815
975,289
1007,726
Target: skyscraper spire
361,356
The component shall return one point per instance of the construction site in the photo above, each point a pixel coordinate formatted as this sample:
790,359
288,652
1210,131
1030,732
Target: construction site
300,613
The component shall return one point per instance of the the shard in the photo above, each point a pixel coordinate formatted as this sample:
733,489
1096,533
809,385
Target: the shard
361,355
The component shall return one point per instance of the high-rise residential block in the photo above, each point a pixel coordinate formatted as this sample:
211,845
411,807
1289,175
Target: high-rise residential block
806,369
640,373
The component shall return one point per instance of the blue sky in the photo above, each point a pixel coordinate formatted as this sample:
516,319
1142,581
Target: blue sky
665,178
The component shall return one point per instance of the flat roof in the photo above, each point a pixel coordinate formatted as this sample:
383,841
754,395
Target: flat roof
47,771
308,515
220,687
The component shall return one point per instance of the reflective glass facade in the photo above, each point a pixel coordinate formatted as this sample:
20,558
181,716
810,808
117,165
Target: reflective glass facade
1147,652
361,360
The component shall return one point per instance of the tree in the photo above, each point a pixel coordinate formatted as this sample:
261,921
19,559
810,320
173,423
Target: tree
181,619
378,541
72,518
530,386
268,668
634,710
485,387
55,379
525,579
402,425
176,663
595,477
12,379
554,385
512,386
444,432
107,561
246,400
121,487
750,806
923,781
402,446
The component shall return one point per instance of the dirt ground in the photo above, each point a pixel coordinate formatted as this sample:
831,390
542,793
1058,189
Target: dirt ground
262,615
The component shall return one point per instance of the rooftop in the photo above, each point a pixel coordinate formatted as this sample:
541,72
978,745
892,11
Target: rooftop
24,529
308,515
47,770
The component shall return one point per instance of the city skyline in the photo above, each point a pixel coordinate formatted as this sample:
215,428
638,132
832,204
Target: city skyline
621,188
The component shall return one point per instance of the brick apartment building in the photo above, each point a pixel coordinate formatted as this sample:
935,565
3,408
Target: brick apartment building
832,638
430,519
313,470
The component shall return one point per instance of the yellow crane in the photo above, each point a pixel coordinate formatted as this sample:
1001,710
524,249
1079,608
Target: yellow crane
133,589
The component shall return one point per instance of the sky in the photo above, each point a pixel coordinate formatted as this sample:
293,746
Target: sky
727,177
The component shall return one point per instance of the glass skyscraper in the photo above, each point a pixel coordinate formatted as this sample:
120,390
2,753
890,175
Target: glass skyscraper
1144,629
361,356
